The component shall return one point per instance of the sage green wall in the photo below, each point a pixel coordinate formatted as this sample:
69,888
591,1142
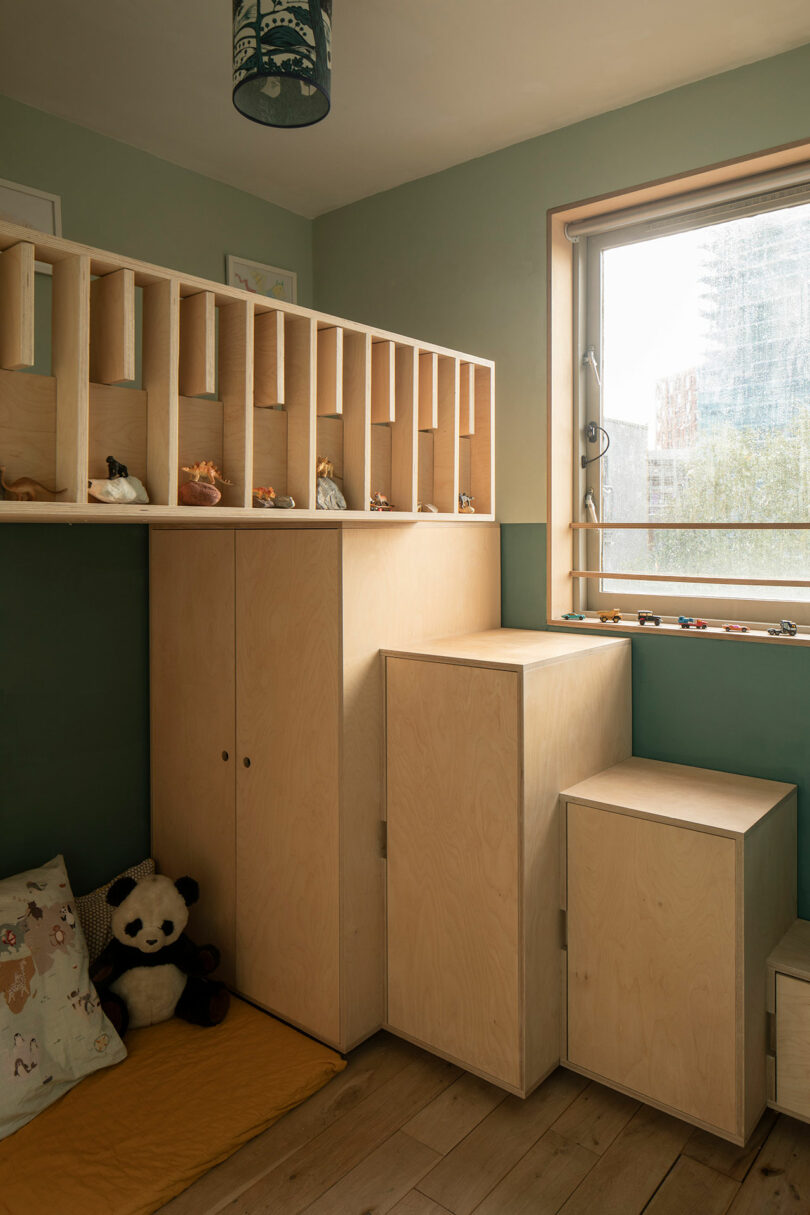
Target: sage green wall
459,257
74,702
115,197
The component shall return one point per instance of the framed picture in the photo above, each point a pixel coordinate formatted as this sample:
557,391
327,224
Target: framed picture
32,208
264,280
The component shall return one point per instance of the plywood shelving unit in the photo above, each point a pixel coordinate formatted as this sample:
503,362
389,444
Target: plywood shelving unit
259,386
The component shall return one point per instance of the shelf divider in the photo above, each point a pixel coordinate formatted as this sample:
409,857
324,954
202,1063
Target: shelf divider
404,431
357,419
112,328
236,390
482,462
17,307
445,441
300,355
330,372
198,326
467,400
428,391
161,363
268,368
383,401
71,369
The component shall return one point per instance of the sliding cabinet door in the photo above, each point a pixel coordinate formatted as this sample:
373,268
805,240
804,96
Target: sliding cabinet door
288,789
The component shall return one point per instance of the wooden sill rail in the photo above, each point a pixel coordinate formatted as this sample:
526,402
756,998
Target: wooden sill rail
256,385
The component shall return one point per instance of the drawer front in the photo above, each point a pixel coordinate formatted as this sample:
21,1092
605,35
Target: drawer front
793,1045
452,786
652,1006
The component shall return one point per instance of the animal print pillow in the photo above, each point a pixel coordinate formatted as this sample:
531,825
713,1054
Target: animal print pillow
52,1029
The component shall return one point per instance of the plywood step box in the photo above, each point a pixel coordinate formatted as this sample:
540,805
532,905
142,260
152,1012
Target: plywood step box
162,370
789,1010
679,882
482,733
267,740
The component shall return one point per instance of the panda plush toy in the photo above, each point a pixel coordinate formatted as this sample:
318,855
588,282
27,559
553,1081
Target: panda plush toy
151,971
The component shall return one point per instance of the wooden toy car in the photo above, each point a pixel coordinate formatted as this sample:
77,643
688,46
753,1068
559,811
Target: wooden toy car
610,614
645,616
785,628
736,628
572,616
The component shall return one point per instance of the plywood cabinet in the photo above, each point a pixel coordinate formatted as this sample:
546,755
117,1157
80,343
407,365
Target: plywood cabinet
267,741
678,882
789,1006
482,732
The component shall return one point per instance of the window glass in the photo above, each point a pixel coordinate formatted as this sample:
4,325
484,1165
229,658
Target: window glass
706,399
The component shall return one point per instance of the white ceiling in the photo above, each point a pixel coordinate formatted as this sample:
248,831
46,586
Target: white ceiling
417,85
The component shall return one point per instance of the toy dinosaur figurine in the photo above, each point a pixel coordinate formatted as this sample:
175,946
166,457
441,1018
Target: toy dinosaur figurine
26,489
206,470
265,495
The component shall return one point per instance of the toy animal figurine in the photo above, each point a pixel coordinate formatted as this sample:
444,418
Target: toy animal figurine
201,490
264,495
206,470
123,491
465,504
329,496
380,502
26,489
116,469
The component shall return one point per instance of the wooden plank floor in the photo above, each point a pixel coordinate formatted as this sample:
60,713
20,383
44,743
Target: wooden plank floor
401,1131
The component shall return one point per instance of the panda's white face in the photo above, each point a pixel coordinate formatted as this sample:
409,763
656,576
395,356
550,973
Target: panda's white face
152,916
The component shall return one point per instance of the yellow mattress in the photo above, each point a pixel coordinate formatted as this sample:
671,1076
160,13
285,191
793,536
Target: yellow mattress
129,1138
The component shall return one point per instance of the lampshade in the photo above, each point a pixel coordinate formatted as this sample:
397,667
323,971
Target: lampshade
282,60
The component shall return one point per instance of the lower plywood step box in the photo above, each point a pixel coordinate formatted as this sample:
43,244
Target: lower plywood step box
679,882
789,1006
482,733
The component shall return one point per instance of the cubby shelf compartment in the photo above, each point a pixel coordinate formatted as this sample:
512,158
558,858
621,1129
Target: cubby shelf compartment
259,386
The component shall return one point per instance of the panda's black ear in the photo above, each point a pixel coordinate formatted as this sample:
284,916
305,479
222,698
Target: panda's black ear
119,890
188,889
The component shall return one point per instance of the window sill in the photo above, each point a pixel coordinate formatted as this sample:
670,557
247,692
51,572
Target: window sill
669,630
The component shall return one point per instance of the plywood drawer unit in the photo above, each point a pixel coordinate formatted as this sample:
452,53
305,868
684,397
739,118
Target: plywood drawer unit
678,883
482,732
789,1004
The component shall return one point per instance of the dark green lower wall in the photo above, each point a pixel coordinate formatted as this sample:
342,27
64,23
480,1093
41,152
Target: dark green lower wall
713,703
74,698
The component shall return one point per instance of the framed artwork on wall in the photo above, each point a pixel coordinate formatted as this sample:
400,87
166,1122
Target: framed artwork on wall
264,280
34,209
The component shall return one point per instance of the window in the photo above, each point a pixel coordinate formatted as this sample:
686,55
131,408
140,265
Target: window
693,405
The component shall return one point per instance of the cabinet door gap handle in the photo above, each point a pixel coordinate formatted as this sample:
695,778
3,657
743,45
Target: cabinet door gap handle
246,761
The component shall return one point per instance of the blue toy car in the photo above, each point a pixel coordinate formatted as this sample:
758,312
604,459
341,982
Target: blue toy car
572,616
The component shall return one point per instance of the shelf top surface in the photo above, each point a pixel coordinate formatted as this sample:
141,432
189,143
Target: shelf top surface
505,649
792,955
700,797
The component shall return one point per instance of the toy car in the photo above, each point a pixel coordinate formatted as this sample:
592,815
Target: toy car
785,628
645,616
572,616
610,614
701,624
736,628
692,622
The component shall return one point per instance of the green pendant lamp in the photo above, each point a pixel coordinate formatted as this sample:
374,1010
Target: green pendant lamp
282,60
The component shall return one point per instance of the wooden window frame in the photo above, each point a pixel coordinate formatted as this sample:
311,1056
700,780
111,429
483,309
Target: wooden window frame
564,302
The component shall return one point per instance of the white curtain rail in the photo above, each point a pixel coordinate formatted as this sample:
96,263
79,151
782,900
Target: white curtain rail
697,200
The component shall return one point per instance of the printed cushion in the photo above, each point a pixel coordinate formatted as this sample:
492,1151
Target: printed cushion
52,1029
95,913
